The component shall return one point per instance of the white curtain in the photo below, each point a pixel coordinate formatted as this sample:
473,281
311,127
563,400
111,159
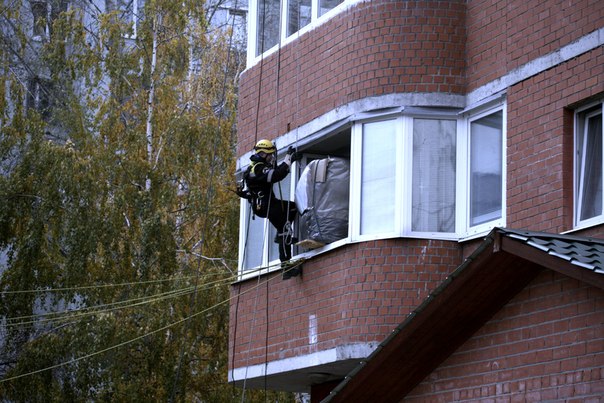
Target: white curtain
433,185
378,173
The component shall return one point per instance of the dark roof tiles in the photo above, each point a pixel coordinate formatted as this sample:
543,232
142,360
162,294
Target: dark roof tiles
587,253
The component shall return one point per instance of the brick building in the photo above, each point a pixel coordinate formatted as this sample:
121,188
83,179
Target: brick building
456,117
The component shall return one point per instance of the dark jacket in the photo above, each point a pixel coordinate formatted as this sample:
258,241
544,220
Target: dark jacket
259,178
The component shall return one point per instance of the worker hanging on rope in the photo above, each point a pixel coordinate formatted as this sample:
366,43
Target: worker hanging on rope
259,178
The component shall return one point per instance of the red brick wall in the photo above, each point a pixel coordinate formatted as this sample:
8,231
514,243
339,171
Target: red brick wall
503,35
540,142
377,47
546,344
359,294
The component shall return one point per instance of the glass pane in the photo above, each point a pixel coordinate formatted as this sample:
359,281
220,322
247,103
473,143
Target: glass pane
433,188
486,168
591,168
326,5
298,15
378,173
268,25
253,233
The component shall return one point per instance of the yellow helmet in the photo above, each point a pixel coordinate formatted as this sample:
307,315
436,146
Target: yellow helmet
266,146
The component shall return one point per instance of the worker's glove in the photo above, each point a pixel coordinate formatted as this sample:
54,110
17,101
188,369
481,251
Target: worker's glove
241,192
288,157
293,155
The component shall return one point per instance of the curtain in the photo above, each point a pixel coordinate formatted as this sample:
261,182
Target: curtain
378,173
433,184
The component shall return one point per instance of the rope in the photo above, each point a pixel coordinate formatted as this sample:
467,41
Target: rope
266,343
207,204
249,343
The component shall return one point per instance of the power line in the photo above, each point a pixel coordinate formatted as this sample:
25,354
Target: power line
95,310
124,343
112,306
87,287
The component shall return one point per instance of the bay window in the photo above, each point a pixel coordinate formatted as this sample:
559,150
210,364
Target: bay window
421,173
589,166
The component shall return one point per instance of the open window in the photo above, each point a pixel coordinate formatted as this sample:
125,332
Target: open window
589,165
322,191
257,235
485,171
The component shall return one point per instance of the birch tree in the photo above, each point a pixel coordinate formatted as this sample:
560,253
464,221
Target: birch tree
117,229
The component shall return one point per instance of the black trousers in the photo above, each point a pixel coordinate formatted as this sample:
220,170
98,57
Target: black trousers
279,213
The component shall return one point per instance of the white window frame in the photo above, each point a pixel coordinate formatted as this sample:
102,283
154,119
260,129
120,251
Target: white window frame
407,229
578,187
356,155
403,121
283,39
464,227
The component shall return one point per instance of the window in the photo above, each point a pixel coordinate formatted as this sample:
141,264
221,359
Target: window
327,5
378,173
588,166
40,13
434,175
273,21
298,15
39,96
257,247
129,12
417,172
405,183
486,168
43,14
267,25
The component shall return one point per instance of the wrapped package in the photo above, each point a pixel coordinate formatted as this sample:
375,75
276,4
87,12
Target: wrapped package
322,195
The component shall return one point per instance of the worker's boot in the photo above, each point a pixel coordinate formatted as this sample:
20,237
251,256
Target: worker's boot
291,269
